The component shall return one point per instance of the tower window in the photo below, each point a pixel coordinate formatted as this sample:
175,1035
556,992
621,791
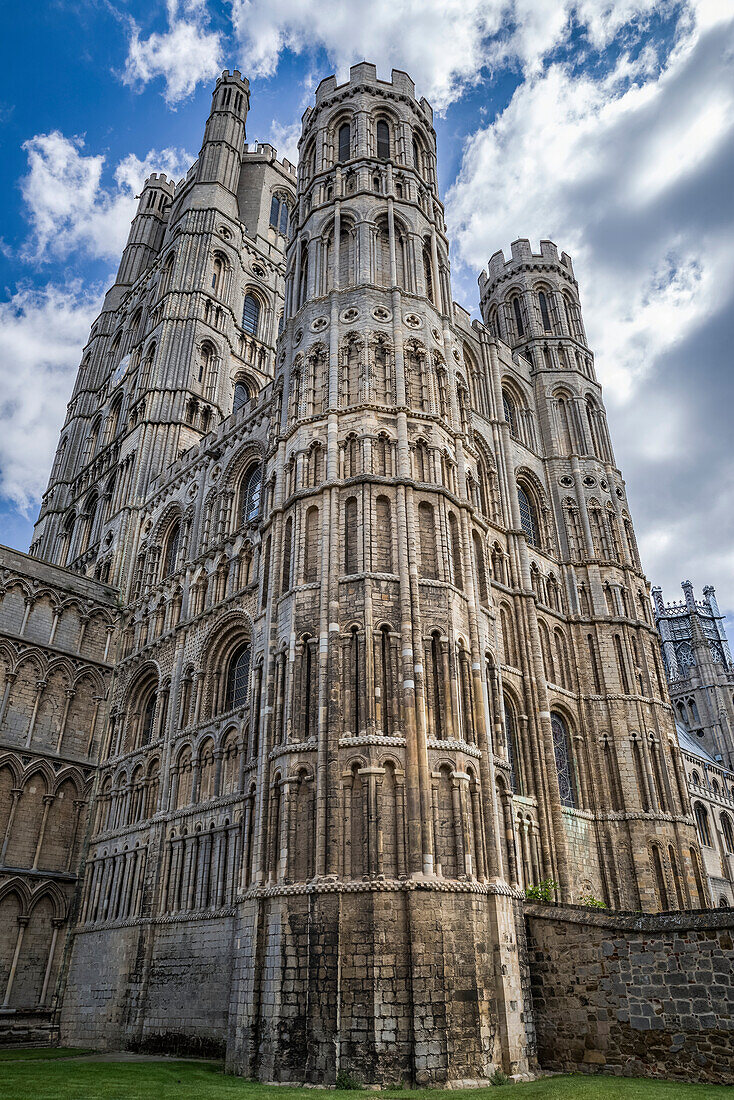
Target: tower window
251,494
279,214
241,396
528,518
519,323
508,407
171,558
563,761
251,314
383,140
544,314
345,141
238,677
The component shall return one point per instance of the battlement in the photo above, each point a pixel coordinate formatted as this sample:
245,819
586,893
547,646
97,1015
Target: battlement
521,253
266,151
161,181
365,73
235,75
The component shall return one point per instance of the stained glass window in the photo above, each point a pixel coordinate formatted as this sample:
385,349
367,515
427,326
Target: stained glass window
251,314
251,495
563,762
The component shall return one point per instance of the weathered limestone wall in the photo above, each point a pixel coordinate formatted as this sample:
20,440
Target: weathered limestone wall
632,994
387,984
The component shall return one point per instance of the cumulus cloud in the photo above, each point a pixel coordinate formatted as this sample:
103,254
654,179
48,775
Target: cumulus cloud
285,139
67,204
41,333
185,55
630,171
444,44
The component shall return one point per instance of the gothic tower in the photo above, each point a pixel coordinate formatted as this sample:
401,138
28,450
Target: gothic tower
593,686
699,669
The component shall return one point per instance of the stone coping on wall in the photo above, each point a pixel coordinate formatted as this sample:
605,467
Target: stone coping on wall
617,920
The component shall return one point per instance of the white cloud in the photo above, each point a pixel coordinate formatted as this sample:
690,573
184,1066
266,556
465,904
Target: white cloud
630,172
187,54
67,204
285,140
443,44
41,333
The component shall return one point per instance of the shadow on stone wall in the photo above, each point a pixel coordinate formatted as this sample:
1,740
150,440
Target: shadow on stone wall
633,994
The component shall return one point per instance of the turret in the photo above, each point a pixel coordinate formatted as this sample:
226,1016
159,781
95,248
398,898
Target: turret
147,229
220,158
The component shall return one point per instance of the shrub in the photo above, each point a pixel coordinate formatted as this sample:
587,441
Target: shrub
544,891
591,902
499,1078
345,1080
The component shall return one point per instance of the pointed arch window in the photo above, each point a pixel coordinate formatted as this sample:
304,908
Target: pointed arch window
519,323
508,407
241,396
171,558
251,314
345,141
528,517
383,140
238,675
561,752
702,824
251,495
544,314
146,726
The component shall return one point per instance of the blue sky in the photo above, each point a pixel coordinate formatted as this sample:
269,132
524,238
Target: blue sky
606,125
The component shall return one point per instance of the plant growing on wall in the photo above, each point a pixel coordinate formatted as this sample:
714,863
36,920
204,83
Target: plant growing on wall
544,891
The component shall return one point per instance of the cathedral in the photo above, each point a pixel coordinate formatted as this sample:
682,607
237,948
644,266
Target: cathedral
333,638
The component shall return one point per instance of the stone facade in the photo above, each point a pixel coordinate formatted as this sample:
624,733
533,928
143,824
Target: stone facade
633,995
56,630
386,655
700,675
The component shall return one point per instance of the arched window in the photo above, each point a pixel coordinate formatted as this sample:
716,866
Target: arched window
279,214
728,833
251,493
350,535
345,141
544,314
241,396
702,823
519,323
218,274
508,407
383,140
561,751
251,314
238,675
171,556
148,719
513,756
528,518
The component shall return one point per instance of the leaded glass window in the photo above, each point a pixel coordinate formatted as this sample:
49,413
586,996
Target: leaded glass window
251,314
274,211
528,518
511,742
238,677
563,761
251,494
241,396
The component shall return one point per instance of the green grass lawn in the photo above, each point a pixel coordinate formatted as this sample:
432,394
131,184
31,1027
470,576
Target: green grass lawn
58,1079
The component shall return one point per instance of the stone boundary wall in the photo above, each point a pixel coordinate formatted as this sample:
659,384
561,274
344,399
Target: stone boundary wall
634,994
